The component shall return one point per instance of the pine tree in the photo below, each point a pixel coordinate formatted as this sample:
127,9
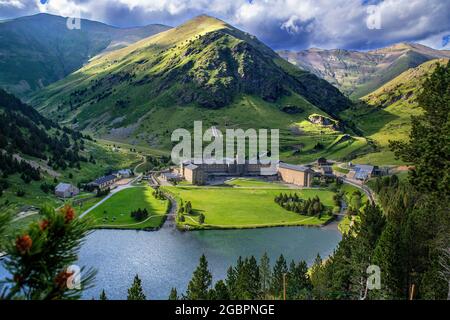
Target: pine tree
368,232
230,282
318,279
103,295
173,294
265,273
387,256
39,256
254,280
135,292
279,270
298,283
200,283
220,291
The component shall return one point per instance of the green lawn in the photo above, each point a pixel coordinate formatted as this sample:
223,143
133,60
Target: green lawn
115,212
240,207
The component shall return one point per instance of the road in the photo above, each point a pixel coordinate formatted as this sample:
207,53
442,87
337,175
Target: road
364,188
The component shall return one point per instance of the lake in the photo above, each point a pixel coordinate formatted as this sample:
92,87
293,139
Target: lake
166,258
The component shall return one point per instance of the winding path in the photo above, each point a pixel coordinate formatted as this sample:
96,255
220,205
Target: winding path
363,187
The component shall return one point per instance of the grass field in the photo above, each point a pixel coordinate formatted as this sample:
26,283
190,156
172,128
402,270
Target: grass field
115,212
244,206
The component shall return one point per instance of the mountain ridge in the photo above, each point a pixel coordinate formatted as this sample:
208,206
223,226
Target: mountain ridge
358,73
38,50
204,69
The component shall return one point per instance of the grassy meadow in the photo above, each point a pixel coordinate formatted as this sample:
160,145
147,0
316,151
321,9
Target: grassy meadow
115,212
248,204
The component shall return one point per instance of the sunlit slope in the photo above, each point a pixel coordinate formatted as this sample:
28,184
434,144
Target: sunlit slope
204,70
385,114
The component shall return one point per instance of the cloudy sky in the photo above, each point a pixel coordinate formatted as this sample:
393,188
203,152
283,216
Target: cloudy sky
282,24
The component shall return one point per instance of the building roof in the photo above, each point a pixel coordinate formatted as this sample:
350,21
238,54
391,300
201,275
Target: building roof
191,166
362,171
104,179
294,167
62,187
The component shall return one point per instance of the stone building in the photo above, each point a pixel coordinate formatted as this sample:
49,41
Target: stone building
200,173
299,175
194,174
66,190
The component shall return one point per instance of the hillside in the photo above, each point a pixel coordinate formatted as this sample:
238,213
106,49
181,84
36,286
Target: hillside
204,70
359,73
385,114
36,153
38,50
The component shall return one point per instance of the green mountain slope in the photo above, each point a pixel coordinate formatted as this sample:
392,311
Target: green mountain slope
36,154
385,114
359,73
38,50
202,70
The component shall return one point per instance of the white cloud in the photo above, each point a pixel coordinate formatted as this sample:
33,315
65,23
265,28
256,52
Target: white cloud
12,3
288,23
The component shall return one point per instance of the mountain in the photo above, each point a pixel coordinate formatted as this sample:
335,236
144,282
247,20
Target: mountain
359,73
204,70
37,153
385,114
38,50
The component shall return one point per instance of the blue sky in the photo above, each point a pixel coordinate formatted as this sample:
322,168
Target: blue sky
282,24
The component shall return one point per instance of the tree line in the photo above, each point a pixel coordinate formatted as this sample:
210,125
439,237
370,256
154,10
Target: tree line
139,214
309,207
25,131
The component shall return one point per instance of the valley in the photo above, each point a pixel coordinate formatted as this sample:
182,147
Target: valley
86,146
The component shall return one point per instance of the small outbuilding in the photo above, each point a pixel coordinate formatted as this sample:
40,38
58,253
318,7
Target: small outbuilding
66,190
124,173
364,172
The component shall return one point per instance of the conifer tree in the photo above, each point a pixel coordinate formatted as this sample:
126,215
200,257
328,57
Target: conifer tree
103,295
200,283
298,283
318,279
279,270
40,256
265,273
230,282
173,294
220,291
135,292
